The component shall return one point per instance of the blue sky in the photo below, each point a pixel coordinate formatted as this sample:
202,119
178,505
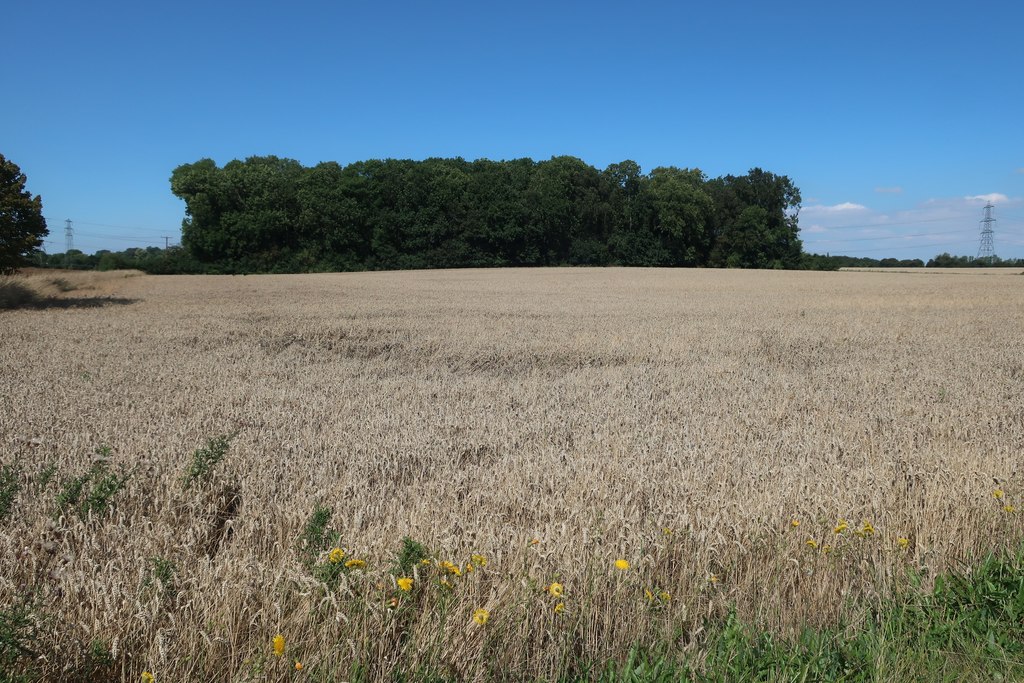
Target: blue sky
897,120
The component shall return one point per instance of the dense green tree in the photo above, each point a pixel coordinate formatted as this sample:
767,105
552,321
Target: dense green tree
755,221
22,226
681,212
271,214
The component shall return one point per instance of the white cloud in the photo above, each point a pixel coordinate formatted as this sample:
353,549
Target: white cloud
994,197
845,206
889,190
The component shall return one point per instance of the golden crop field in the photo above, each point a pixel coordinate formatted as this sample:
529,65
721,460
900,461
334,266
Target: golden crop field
787,444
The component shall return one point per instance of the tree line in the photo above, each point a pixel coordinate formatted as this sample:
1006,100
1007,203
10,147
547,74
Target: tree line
269,214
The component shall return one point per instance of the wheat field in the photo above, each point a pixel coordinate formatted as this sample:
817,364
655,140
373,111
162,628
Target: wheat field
786,444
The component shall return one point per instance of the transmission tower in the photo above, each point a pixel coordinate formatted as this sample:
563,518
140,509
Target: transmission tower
69,242
986,250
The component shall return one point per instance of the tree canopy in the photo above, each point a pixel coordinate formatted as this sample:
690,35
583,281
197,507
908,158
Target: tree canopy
22,226
273,214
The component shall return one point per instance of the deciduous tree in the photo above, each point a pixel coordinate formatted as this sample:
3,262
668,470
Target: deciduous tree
22,226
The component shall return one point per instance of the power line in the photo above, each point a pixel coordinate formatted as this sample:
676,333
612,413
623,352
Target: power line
910,246
118,227
882,225
888,237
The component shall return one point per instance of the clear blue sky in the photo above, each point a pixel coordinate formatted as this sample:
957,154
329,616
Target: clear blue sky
892,117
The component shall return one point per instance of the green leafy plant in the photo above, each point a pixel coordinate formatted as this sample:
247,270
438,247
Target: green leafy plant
317,536
10,486
162,574
17,644
46,475
93,491
409,555
206,458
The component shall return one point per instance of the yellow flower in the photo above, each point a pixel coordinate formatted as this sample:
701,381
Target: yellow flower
479,560
826,549
147,677
559,608
481,616
665,530
712,578
811,543
279,645
405,583
425,562
355,564
997,494
665,597
444,582
794,523
469,567
336,555
649,595
841,526
867,529
556,590
904,542
298,665
622,565
1009,508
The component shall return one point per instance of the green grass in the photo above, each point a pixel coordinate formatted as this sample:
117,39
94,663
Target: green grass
970,627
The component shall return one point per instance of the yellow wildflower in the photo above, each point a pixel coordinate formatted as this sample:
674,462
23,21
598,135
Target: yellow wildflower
649,595
826,549
664,595
450,567
622,565
405,583
1009,508
336,555
997,494
279,645
712,578
665,530
903,542
867,529
298,665
811,543
555,589
559,608
481,616
479,560
445,583
355,564
147,677
794,523
469,567
841,526
425,562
